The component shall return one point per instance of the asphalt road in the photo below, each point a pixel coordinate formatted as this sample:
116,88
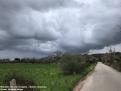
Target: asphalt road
104,78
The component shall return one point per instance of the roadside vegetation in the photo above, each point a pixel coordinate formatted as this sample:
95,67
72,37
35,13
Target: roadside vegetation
49,75
56,73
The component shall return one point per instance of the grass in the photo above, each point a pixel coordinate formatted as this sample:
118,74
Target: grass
49,75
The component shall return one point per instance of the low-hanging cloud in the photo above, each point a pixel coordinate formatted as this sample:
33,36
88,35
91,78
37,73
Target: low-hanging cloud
41,27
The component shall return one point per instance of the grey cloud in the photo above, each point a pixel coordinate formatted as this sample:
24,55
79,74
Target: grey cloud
36,4
42,27
34,25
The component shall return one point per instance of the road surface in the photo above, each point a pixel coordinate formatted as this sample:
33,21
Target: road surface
104,78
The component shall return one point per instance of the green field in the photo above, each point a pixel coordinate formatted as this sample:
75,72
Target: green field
49,75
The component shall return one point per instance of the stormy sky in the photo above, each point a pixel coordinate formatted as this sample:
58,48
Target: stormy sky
35,28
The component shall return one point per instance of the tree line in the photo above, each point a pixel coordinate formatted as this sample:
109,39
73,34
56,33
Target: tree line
73,62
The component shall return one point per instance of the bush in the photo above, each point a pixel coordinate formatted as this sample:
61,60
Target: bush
72,64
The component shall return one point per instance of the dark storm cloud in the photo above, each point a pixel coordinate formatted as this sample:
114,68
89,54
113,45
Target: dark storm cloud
41,27
36,4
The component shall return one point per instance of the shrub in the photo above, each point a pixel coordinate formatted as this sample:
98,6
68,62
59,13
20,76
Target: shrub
72,64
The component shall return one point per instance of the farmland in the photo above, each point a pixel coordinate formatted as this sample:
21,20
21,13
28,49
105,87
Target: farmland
49,75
